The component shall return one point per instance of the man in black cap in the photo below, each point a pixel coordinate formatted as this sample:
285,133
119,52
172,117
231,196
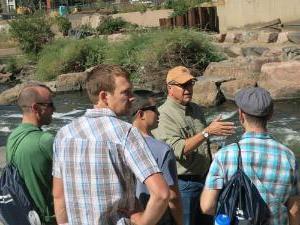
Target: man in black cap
144,115
270,165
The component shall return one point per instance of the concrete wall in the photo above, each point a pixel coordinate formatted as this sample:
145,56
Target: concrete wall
237,13
146,19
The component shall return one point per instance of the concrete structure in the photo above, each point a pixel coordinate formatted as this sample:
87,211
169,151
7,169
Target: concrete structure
8,5
238,13
147,19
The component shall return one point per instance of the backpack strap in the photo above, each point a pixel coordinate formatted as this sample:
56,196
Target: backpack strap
240,163
15,149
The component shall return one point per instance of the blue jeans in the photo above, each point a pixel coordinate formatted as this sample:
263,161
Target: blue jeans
190,197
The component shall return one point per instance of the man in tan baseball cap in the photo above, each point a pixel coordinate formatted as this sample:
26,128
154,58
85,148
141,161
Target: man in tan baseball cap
179,75
182,125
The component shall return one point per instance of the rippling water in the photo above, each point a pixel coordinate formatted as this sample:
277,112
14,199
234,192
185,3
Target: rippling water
285,125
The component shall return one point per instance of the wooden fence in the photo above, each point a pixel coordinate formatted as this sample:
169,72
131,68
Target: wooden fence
204,18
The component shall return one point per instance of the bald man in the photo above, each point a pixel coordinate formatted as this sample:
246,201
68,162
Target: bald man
30,148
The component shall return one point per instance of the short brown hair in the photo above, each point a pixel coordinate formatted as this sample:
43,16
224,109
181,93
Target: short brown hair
102,78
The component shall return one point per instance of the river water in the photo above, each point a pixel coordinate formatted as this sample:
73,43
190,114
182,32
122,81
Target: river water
284,126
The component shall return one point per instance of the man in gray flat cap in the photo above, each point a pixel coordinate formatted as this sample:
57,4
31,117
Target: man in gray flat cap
270,165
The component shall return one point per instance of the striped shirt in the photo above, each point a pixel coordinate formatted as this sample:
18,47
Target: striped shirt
270,165
99,157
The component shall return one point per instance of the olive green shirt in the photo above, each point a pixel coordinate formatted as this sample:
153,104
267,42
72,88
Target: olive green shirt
33,158
177,123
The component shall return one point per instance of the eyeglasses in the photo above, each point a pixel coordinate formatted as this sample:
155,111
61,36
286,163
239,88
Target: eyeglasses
185,85
46,104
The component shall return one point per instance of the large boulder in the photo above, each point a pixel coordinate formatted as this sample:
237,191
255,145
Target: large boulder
253,51
239,68
294,37
230,88
267,37
281,79
207,91
71,82
10,95
5,77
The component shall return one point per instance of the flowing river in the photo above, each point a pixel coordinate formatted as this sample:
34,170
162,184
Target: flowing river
284,126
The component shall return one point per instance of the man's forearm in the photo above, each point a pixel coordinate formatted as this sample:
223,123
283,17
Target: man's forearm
60,211
175,205
293,206
59,201
193,142
158,201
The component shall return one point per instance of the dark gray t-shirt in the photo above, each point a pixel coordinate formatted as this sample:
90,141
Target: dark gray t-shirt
166,161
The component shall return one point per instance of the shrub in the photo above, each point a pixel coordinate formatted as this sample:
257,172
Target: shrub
32,32
181,6
67,55
150,52
111,25
64,25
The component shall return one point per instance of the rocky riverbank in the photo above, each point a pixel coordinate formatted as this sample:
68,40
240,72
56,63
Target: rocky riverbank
267,59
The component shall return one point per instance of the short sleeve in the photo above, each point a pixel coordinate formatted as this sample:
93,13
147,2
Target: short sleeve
138,156
169,169
56,169
215,176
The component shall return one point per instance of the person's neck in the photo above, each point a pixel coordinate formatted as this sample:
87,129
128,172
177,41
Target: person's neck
144,130
31,120
255,129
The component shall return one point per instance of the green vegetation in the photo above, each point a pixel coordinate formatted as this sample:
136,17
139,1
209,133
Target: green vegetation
67,55
141,54
64,25
6,40
159,50
32,32
111,25
181,6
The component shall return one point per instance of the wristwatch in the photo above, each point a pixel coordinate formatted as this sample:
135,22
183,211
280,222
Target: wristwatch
205,133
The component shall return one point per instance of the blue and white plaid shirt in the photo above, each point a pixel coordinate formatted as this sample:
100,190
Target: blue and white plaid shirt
98,157
270,165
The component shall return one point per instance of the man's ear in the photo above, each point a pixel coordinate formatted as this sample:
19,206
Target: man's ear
140,114
103,97
35,107
241,116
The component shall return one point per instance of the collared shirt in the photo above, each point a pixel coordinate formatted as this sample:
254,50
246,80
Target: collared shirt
98,157
178,122
270,165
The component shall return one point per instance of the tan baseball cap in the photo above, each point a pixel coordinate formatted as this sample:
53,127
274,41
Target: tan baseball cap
180,75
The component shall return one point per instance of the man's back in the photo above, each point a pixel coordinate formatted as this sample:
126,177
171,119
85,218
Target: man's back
98,157
269,165
33,158
166,161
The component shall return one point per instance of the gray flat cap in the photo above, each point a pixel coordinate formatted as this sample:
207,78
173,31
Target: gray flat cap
254,101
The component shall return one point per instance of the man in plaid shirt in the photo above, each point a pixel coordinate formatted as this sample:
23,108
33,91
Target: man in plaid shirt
98,157
270,165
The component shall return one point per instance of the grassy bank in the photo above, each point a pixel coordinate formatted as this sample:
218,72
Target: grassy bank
140,54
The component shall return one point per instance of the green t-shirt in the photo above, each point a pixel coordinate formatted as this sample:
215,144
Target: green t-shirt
33,158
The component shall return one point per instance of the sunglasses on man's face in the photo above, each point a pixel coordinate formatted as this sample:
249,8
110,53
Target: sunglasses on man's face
185,85
46,104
